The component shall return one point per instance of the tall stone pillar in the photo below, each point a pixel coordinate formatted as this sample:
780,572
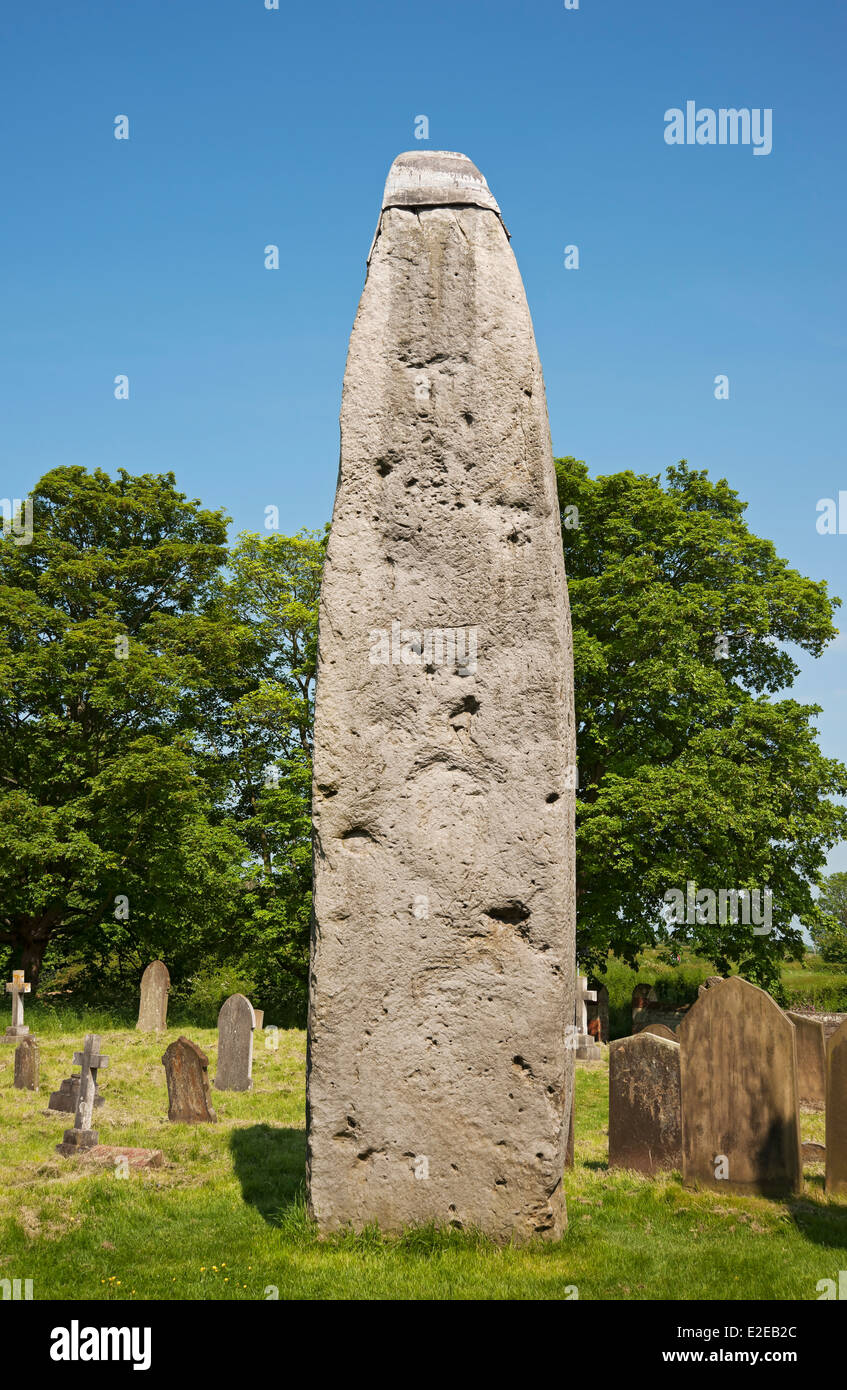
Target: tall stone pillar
442,973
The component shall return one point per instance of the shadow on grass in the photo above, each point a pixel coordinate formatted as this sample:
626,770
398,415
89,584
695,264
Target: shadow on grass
270,1164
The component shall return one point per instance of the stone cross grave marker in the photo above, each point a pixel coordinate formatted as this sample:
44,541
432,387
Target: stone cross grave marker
153,1006
585,1046
26,1065
740,1107
186,1069
90,1060
236,1022
17,989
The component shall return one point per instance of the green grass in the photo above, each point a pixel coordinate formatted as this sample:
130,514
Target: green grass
226,1219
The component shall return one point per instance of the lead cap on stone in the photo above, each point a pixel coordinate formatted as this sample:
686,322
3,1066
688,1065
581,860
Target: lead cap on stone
424,178
435,178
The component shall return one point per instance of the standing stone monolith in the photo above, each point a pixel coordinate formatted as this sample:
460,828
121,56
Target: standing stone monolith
187,1074
811,1060
442,971
236,1022
153,1006
27,1065
645,1106
836,1111
740,1107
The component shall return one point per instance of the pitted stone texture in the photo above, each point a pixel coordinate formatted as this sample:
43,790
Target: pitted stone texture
186,1071
740,1108
439,1085
27,1065
836,1112
811,1060
153,1007
660,1030
236,1022
645,1106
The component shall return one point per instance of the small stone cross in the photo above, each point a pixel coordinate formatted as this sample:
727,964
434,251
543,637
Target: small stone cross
17,989
584,995
89,1060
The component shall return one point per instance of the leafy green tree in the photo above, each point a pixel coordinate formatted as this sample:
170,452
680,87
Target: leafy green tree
263,750
110,655
689,768
829,934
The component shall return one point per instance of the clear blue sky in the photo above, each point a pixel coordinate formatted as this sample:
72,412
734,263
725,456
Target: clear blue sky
250,126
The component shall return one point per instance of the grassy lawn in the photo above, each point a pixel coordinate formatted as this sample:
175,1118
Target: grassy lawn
225,1217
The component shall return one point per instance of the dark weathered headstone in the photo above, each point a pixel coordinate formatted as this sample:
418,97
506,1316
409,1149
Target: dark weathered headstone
811,1060
236,1022
90,1060
645,1108
660,1030
836,1111
187,1072
260,1017
709,983
153,1006
813,1153
740,1107
444,770
26,1065
65,1099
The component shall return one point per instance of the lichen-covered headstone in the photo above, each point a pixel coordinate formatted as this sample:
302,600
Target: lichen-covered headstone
811,1060
836,1111
153,1007
187,1074
740,1108
645,1106
442,976
27,1065
236,1023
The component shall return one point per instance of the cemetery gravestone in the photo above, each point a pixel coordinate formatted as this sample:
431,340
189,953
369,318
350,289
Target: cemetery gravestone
260,1018
740,1107
598,1015
645,1104
17,988
236,1022
27,1065
153,1007
836,1112
811,1060
65,1099
586,1047
660,1030
187,1073
90,1060
444,771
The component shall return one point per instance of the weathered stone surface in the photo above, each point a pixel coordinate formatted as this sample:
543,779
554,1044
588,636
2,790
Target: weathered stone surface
811,1060
260,1018
569,1149
153,1007
27,1065
236,1022
90,1061
65,1099
813,1153
187,1072
645,1107
740,1108
660,1030
442,952
836,1112
709,983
